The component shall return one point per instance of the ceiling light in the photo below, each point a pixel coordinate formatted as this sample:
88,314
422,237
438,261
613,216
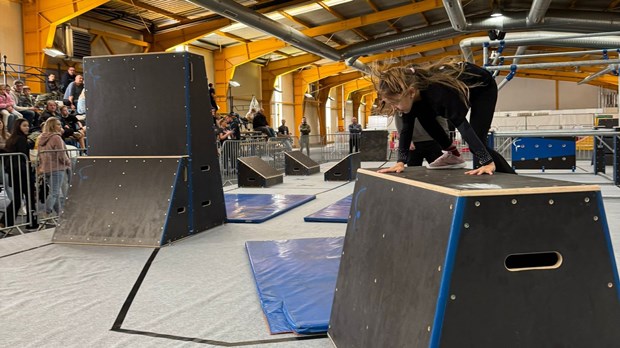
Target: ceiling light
53,52
496,13
308,95
349,101
232,83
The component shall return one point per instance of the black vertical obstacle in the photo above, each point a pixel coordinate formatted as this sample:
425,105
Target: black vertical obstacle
442,259
151,105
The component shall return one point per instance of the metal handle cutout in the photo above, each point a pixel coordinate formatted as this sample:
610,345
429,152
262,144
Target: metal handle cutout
533,261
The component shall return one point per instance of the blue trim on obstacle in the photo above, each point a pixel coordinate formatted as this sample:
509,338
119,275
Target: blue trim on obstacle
607,235
296,282
170,212
448,266
257,208
188,131
336,212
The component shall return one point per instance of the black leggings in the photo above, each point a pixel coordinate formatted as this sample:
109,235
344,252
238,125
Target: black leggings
482,100
424,150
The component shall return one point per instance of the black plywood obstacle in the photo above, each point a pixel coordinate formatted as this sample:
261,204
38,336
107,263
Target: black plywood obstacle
146,120
254,172
136,201
345,169
296,163
374,145
475,261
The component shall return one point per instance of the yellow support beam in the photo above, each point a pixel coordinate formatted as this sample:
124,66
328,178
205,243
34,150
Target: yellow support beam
225,62
419,48
122,38
40,19
355,85
171,38
375,17
270,72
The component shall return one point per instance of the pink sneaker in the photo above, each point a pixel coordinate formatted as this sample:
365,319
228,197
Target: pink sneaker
447,161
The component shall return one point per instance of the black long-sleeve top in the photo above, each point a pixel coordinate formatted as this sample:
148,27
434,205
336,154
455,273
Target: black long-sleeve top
18,163
259,120
441,100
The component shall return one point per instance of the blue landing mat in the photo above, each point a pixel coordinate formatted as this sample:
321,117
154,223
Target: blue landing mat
336,212
256,208
296,280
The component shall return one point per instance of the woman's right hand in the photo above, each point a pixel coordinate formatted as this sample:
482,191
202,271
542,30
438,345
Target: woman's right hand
397,168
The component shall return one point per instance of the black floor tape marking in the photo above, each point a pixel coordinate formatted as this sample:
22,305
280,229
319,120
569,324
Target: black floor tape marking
134,291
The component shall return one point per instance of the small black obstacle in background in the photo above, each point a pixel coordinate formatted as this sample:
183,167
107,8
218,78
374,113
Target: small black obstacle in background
345,170
296,163
254,172
374,145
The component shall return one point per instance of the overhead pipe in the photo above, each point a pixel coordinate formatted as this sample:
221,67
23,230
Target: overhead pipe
232,10
559,54
408,38
455,12
555,21
511,74
593,40
554,65
537,12
608,69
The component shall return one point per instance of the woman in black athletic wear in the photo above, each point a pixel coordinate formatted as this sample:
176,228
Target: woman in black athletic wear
449,89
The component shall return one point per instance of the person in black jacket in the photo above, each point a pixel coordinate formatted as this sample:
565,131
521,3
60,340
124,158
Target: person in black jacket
21,178
259,123
447,88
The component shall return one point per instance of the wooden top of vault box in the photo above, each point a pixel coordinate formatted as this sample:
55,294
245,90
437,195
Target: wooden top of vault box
454,182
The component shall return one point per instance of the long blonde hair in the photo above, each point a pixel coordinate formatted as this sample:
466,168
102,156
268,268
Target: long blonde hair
50,124
393,81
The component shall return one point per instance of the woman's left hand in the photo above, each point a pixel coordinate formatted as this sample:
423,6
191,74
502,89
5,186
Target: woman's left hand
486,169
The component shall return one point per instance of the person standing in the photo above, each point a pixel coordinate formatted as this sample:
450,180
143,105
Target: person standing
355,134
53,163
212,98
304,137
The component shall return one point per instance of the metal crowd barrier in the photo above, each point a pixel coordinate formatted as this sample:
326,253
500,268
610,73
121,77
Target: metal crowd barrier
51,188
17,179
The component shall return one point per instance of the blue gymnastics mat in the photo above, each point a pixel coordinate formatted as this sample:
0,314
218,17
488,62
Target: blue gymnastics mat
336,212
296,280
257,208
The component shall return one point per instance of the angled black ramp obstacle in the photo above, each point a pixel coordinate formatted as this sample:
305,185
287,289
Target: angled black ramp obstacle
345,169
296,163
254,172
134,201
443,259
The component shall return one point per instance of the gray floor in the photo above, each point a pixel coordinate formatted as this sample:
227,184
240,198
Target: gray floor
199,291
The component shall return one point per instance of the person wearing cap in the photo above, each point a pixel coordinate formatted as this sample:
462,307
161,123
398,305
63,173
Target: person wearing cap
23,104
